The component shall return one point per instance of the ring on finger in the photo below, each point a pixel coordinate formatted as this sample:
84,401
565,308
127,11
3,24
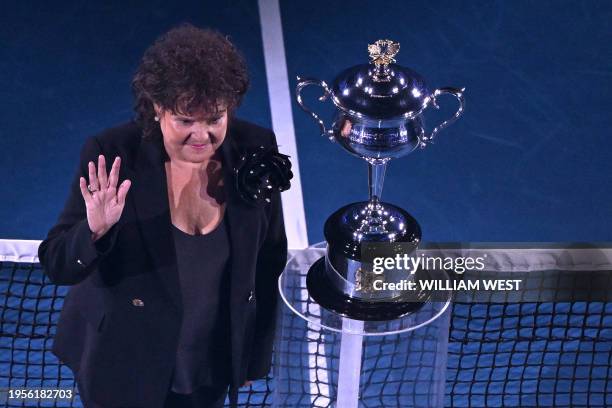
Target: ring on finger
91,188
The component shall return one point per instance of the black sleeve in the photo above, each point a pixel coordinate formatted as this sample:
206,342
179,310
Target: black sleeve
271,262
69,254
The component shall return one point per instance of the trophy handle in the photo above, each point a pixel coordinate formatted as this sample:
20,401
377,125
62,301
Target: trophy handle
304,82
457,93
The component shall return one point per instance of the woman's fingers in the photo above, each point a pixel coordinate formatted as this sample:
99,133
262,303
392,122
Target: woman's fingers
123,190
84,191
102,178
114,173
100,181
93,179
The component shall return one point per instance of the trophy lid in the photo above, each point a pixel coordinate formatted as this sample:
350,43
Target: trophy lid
380,89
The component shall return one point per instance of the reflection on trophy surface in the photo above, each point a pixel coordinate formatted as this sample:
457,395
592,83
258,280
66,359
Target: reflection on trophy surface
378,117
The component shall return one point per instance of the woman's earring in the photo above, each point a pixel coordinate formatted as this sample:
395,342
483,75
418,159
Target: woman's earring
156,119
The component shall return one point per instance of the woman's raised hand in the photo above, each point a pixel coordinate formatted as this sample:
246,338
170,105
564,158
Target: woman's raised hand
103,201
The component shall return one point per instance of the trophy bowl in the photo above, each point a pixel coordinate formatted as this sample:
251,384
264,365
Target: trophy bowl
379,117
375,139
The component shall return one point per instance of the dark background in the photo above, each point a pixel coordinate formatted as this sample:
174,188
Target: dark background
529,161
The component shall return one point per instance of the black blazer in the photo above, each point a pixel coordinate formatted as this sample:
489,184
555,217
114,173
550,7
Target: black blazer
118,329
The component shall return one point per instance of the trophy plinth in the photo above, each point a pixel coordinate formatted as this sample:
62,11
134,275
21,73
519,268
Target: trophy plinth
343,282
378,118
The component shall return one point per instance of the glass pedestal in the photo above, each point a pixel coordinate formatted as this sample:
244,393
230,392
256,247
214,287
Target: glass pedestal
323,359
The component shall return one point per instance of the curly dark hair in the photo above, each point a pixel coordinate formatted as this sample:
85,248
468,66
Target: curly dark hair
187,70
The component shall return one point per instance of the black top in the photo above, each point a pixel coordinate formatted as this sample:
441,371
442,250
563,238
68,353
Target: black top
203,356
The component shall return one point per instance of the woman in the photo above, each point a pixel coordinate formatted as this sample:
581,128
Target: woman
174,251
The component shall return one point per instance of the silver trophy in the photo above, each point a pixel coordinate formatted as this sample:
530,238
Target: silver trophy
378,118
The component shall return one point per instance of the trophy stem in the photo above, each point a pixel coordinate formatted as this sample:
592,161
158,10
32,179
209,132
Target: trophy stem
373,217
376,178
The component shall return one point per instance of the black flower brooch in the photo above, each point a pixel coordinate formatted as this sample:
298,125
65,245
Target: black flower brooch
260,173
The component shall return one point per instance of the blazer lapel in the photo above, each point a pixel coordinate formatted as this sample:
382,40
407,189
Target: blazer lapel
150,194
243,223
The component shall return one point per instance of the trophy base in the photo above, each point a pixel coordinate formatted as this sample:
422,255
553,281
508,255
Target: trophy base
322,290
350,226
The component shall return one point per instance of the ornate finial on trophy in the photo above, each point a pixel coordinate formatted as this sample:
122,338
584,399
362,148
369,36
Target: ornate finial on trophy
382,52
381,55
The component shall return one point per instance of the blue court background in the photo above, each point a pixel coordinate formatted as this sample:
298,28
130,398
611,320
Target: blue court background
529,161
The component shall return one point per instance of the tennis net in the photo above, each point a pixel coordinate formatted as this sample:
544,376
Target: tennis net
530,353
